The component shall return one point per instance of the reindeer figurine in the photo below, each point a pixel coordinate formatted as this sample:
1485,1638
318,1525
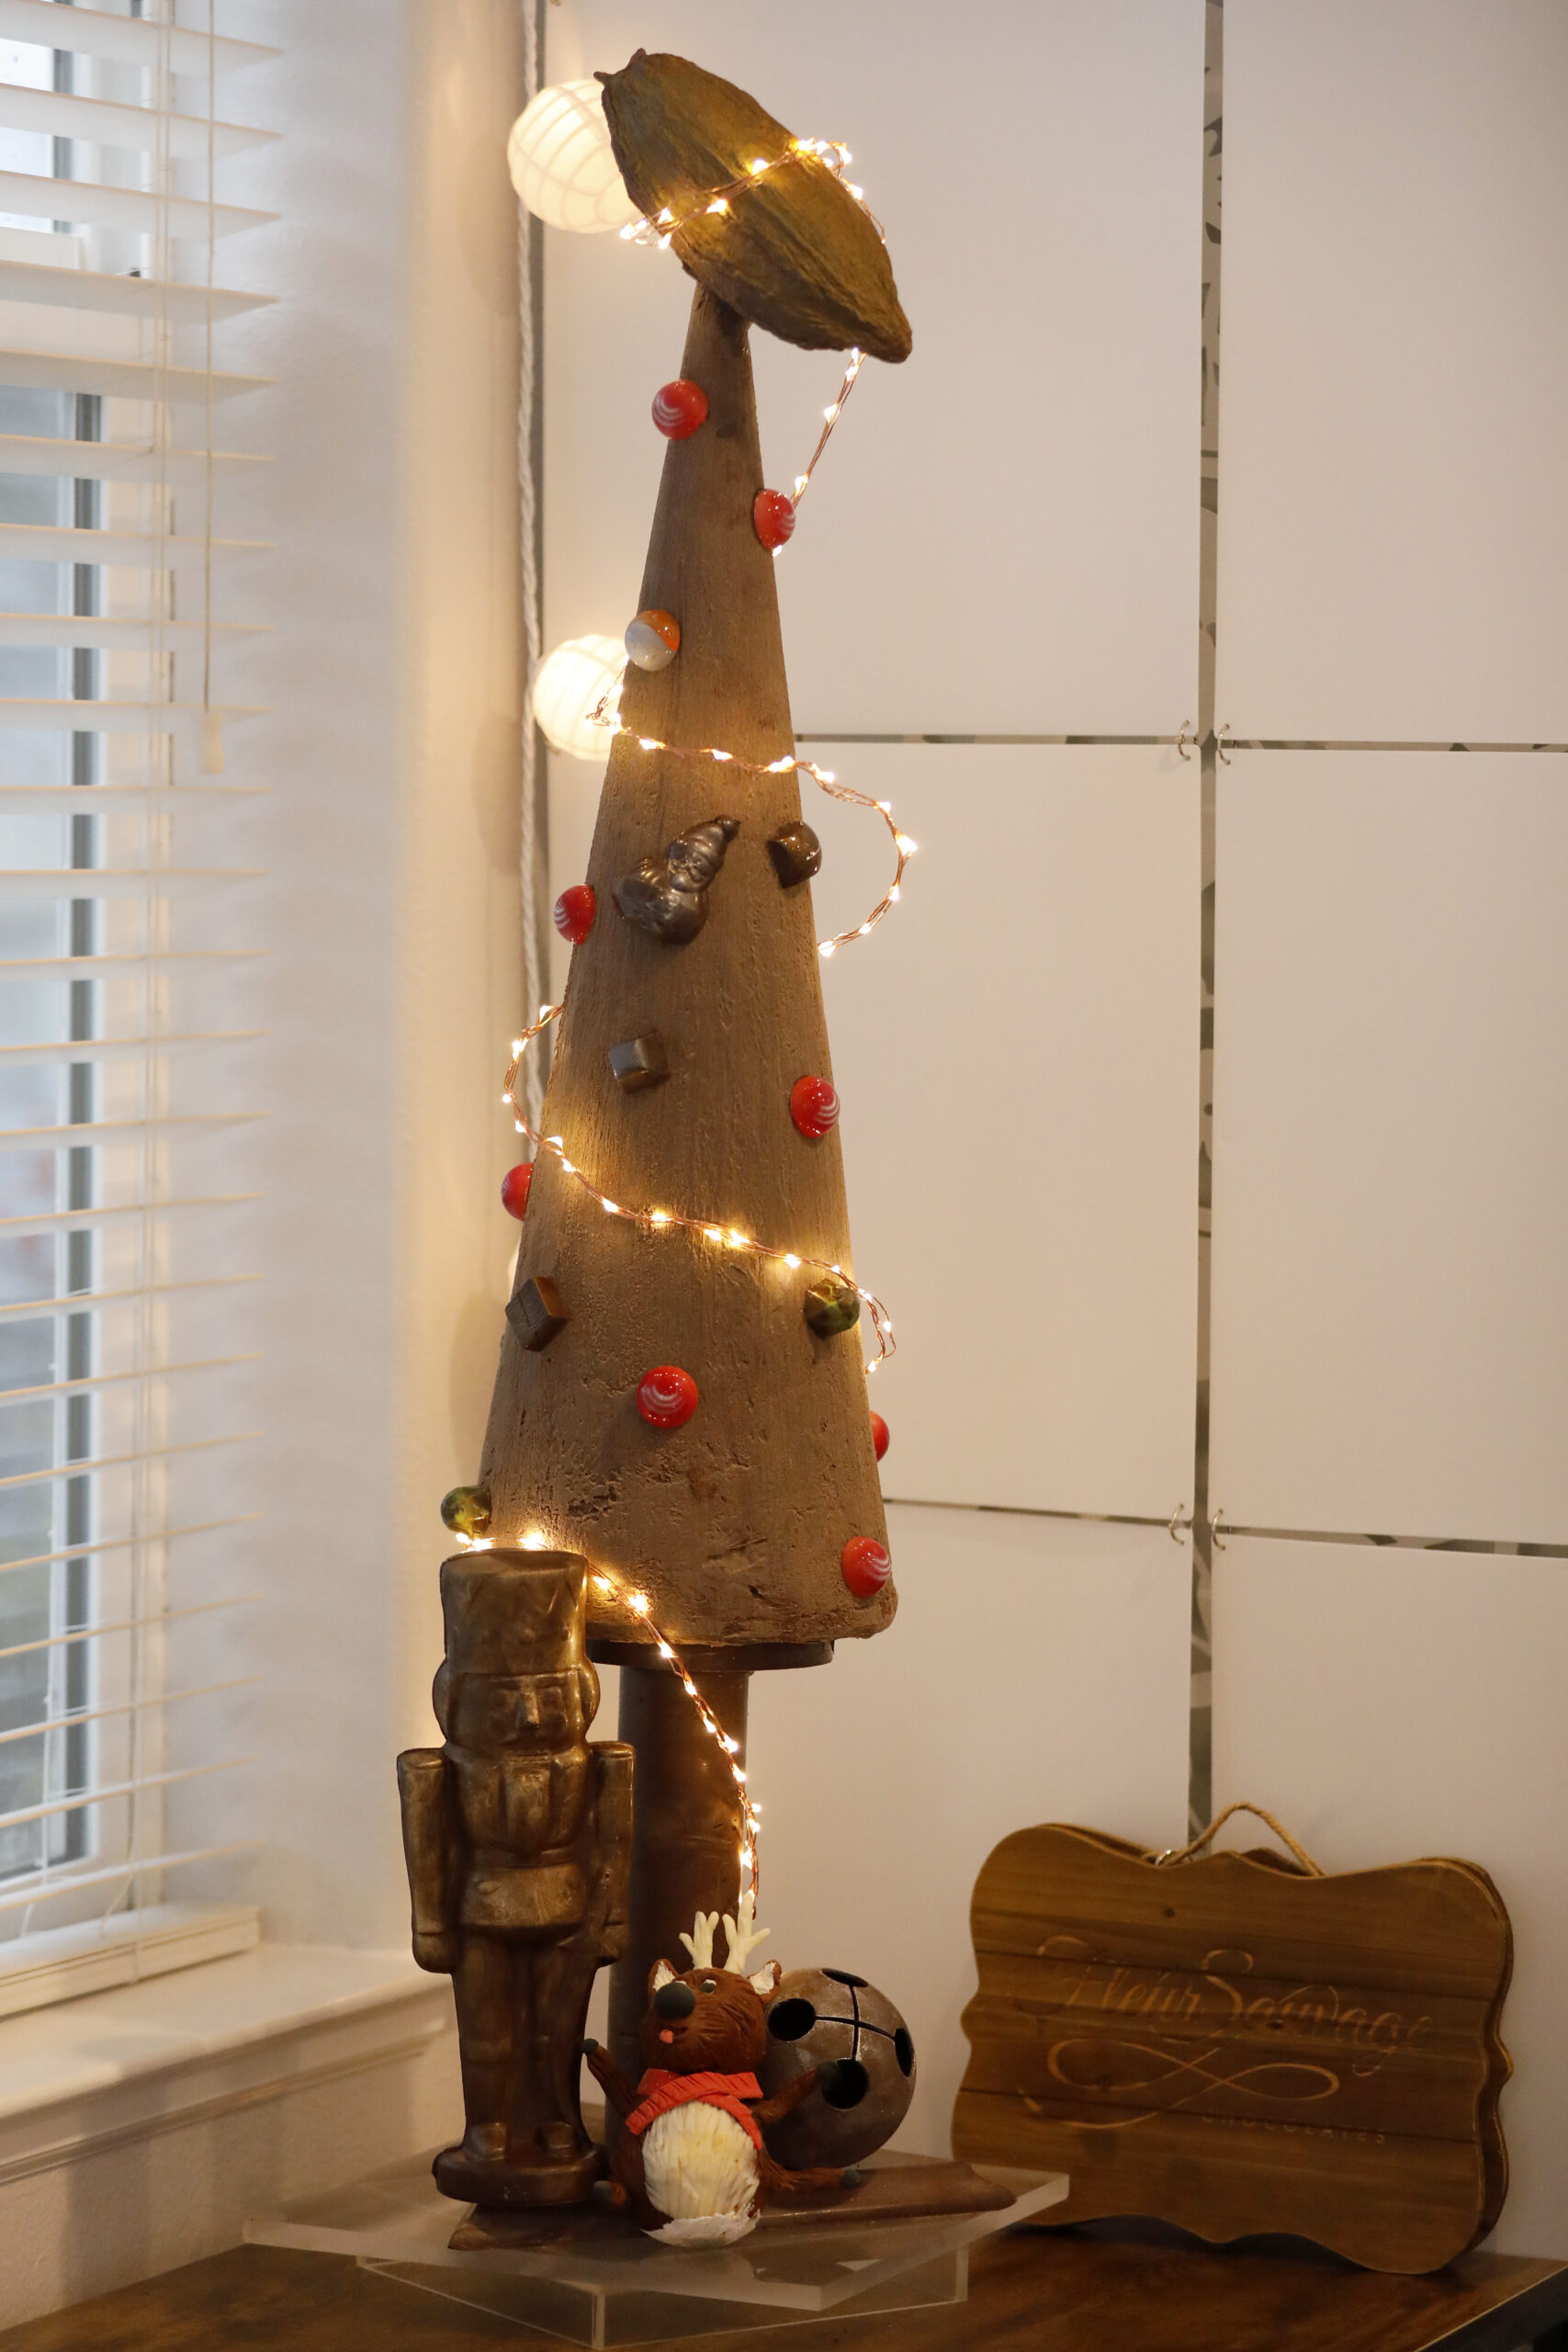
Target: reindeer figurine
690,2160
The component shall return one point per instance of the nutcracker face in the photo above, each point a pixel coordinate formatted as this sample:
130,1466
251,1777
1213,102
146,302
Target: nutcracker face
539,1713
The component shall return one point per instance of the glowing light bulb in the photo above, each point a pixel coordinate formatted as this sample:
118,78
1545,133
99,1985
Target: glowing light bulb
758,165
639,1603
562,165
718,205
826,947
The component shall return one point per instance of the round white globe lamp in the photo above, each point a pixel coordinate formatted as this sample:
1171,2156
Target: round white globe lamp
568,684
561,161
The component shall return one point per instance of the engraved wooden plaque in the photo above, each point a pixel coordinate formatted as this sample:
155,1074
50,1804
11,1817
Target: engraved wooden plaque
1235,2045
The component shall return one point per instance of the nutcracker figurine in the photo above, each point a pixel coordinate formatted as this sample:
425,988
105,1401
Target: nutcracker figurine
517,1834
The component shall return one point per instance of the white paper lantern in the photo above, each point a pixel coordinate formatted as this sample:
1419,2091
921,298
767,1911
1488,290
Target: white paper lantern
561,161
568,684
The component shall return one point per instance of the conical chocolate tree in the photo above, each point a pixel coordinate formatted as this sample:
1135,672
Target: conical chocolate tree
734,1522
693,1009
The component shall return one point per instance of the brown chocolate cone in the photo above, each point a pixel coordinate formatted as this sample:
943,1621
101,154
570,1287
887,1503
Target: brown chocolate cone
734,1523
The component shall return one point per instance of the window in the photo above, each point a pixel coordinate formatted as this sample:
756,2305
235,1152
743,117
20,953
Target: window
122,953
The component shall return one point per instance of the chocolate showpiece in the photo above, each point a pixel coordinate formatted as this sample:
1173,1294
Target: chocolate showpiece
517,1836
831,1306
640,1062
797,855
537,1312
828,2021
668,895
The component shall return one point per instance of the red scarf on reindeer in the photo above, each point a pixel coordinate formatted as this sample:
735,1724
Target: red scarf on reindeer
659,2090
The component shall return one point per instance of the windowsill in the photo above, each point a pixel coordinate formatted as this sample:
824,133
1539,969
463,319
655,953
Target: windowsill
114,2066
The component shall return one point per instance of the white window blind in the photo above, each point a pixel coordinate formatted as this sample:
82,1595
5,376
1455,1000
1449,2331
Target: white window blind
123,954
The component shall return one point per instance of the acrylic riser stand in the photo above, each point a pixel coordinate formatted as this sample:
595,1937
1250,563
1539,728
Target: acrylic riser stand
602,2284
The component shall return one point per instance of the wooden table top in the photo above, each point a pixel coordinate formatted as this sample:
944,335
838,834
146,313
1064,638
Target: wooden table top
1035,2290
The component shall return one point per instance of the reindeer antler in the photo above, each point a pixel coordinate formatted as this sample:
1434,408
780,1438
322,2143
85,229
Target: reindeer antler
742,1935
699,1944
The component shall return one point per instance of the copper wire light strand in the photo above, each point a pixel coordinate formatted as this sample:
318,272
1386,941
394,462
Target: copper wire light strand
724,1236
904,847
641,1607
658,227
830,417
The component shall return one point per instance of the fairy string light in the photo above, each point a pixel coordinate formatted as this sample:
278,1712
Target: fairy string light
659,229
640,1606
603,714
831,416
710,1229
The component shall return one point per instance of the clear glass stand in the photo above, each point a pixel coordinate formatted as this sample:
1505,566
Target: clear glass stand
592,2279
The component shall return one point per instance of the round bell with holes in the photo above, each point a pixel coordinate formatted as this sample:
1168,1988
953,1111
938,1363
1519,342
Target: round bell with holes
864,2057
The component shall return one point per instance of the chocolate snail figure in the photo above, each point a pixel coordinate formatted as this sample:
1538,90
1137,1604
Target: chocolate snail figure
668,895
690,2160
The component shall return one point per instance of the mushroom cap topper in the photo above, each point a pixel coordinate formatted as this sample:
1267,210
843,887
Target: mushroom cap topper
795,251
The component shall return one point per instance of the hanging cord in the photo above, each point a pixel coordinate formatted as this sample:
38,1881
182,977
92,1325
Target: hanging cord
211,720
534,976
1204,1836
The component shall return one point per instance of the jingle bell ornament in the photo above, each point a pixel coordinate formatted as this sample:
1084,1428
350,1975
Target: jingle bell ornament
773,518
864,2054
814,1107
866,1566
680,409
575,909
514,1188
653,640
666,1397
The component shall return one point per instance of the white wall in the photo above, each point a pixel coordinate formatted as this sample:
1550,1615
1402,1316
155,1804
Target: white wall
1390,1267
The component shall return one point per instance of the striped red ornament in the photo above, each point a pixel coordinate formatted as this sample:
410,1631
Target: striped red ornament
772,517
678,409
814,1107
865,1566
666,1397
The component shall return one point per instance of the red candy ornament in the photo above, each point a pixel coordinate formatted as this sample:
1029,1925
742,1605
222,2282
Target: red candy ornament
680,408
514,1189
814,1107
666,1397
773,518
866,1566
879,1434
575,909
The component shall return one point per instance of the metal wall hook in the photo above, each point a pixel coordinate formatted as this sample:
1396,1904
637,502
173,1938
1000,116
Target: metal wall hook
1214,1518
1178,1525
1221,733
1185,740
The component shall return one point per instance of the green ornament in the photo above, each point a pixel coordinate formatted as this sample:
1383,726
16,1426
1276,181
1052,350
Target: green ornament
832,1306
467,1509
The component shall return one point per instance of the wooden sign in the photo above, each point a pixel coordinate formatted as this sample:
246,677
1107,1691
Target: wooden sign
1235,2043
